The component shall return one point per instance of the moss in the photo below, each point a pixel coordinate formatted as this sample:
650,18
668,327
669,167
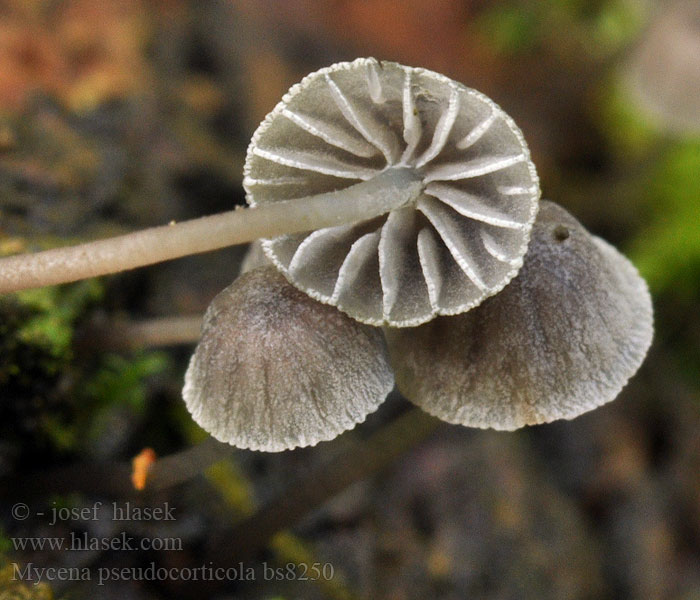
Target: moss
55,310
629,133
51,401
36,335
617,24
667,252
118,383
121,380
5,542
36,331
13,589
509,29
232,486
599,28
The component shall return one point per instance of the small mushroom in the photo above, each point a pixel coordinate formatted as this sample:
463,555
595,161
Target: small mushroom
452,197
452,167
663,71
416,197
561,339
275,369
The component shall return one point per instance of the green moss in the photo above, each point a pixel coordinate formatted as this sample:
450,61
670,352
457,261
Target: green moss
667,252
36,332
12,589
121,380
50,401
62,435
119,383
36,336
628,131
5,542
597,27
509,29
54,312
617,24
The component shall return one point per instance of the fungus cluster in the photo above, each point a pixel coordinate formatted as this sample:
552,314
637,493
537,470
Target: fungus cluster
450,284
401,245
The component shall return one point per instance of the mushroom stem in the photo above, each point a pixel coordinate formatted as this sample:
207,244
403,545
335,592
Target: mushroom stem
163,331
126,334
390,189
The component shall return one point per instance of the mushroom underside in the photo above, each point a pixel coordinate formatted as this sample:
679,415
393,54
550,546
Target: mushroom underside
458,241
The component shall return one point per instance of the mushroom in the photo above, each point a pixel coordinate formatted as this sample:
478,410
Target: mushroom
275,369
663,70
391,192
406,200
561,339
458,233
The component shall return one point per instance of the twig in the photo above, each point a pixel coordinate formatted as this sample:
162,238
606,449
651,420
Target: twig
183,466
163,331
120,333
114,478
246,539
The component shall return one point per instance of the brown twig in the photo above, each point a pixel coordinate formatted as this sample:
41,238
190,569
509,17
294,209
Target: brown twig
113,479
363,459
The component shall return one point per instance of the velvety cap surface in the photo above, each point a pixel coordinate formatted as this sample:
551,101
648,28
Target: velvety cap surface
561,339
276,369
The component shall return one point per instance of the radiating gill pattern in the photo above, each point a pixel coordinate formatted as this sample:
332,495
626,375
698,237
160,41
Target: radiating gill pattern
459,241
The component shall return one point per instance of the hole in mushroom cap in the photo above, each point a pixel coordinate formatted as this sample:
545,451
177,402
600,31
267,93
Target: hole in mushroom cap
561,233
561,339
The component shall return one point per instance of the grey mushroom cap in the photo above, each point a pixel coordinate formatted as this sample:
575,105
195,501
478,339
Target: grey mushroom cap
275,369
561,339
471,190
663,70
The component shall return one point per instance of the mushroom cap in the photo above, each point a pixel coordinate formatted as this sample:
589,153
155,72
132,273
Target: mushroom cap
561,339
460,241
663,71
275,369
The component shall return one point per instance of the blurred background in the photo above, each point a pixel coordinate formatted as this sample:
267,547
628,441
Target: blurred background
120,115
